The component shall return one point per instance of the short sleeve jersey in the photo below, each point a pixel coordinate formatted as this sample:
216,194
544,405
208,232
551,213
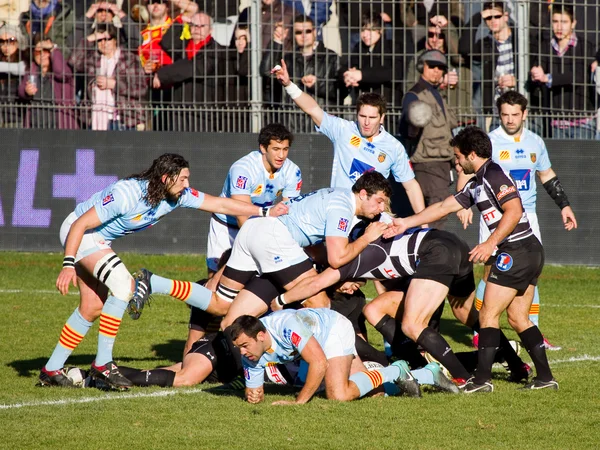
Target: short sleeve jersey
354,155
521,158
318,214
290,331
489,189
248,176
122,209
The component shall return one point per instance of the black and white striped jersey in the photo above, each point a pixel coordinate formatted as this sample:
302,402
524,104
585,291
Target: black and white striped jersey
386,259
489,189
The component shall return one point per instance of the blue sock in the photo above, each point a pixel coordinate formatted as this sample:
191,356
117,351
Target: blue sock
423,376
534,311
71,335
479,298
110,320
191,293
387,348
367,381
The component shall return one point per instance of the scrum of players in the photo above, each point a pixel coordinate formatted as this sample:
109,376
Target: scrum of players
283,302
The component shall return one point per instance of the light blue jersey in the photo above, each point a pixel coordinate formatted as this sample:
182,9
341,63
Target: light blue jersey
354,155
290,331
326,212
248,176
521,159
122,210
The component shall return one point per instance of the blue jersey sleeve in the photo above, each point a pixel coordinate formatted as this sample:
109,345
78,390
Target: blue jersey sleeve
331,127
338,222
254,374
115,203
401,169
293,183
543,161
240,180
191,198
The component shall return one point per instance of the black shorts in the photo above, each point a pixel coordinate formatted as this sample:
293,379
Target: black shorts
444,257
350,306
517,264
264,288
225,362
204,321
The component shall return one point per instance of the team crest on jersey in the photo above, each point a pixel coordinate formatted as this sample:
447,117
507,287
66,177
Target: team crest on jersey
258,190
533,157
194,192
355,141
246,373
504,262
296,339
343,224
505,190
381,157
241,182
108,199
505,155
299,185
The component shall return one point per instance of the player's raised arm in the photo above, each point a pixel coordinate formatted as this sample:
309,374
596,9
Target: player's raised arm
233,207
304,101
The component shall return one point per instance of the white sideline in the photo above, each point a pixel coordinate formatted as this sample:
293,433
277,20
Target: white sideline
74,401
167,393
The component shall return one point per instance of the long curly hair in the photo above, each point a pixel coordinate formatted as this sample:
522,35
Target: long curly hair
169,164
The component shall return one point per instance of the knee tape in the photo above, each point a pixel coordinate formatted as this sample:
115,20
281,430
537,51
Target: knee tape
111,271
226,293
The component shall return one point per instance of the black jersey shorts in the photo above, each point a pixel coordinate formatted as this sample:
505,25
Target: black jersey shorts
225,361
517,264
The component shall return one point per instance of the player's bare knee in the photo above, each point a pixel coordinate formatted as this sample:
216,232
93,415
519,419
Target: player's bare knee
111,271
411,329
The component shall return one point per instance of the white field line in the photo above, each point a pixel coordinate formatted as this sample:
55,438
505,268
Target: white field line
119,396
170,392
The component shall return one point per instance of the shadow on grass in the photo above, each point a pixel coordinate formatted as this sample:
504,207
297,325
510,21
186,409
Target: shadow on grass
172,350
459,332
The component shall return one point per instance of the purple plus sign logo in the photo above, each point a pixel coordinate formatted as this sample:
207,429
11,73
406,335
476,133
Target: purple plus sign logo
84,182
24,213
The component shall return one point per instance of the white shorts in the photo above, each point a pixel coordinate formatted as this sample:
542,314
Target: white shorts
484,232
91,242
265,245
220,239
341,339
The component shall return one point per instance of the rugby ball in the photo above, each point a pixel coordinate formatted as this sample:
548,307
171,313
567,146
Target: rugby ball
76,375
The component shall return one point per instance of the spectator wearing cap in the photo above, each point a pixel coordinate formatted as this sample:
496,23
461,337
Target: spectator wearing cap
12,67
426,129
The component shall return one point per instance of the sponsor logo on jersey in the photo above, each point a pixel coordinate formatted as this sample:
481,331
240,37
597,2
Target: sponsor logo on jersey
504,262
505,155
296,339
194,192
521,178
520,154
108,199
258,190
343,224
355,140
241,182
277,260
269,187
299,185
358,168
533,157
491,215
505,190
381,157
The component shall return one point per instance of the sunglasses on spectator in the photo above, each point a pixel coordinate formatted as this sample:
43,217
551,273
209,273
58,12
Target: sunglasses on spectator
153,2
432,34
104,39
299,32
496,16
10,40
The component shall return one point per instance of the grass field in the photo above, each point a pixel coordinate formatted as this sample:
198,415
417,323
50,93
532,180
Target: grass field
32,314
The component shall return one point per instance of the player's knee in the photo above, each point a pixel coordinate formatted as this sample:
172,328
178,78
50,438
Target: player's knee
518,323
411,329
111,271
370,311
339,394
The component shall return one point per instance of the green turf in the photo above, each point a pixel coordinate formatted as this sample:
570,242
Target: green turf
31,318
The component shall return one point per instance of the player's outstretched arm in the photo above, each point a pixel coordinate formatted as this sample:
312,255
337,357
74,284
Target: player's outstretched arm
556,191
233,207
304,101
307,287
87,221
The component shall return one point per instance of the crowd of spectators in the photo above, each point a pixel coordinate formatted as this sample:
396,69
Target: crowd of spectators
186,65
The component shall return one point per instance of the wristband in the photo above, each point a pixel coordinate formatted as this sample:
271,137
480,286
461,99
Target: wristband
264,211
69,262
293,91
280,300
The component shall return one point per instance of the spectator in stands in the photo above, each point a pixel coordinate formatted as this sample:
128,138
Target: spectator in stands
12,67
271,56
417,14
317,10
48,87
116,82
497,55
198,72
239,69
10,11
374,64
52,18
274,13
561,78
426,130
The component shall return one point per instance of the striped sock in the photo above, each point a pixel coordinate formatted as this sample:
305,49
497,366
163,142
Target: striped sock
191,293
479,298
110,319
534,311
70,337
367,381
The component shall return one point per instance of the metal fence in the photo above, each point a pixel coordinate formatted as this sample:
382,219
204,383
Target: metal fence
59,69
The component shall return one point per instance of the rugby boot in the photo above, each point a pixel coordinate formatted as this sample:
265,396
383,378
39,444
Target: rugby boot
141,295
54,378
109,374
